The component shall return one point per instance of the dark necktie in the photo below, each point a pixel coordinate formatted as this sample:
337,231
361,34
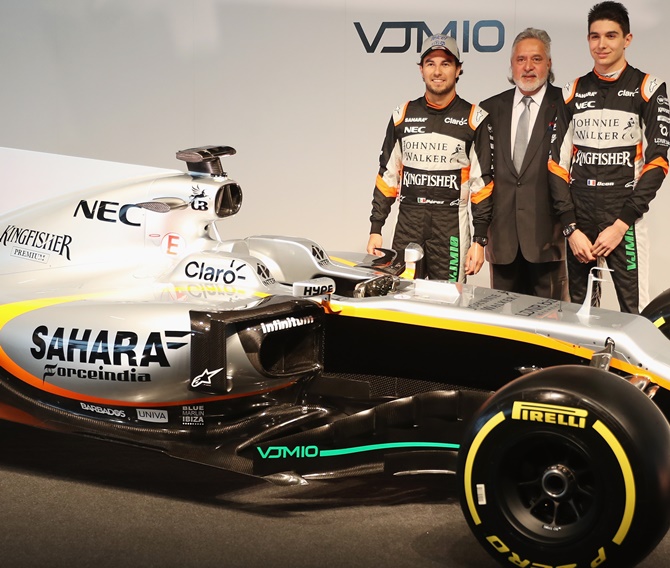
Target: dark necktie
521,139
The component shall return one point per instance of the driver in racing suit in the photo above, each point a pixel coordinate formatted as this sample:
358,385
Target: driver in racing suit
437,159
608,159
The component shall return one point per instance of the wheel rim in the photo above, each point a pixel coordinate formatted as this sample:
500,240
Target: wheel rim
549,488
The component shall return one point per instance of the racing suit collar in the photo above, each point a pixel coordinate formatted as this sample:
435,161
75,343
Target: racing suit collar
439,107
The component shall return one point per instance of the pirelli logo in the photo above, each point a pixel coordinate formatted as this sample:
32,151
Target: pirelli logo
549,414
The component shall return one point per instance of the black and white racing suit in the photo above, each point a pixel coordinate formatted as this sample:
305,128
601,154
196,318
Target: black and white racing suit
436,161
608,159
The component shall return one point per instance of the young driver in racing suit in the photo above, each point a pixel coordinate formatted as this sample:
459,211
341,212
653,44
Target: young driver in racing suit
608,159
437,159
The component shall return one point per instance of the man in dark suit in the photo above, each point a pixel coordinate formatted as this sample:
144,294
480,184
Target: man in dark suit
526,248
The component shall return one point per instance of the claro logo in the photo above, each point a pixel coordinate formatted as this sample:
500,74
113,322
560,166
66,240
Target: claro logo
486,36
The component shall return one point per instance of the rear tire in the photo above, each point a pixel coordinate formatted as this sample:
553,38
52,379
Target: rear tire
567,467
658,311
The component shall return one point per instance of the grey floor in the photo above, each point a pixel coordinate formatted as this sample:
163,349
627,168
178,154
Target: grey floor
70,502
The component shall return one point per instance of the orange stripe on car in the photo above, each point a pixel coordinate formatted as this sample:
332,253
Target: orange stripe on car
20,373
12,414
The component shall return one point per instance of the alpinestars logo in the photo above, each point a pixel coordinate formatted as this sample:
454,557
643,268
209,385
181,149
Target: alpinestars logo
205,378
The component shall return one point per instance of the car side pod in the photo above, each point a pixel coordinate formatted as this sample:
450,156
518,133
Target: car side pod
567,466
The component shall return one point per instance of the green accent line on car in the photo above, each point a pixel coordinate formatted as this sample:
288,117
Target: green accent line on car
277,452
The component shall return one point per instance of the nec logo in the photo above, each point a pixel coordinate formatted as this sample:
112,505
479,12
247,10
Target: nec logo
108,211
486,36
415,129
587,104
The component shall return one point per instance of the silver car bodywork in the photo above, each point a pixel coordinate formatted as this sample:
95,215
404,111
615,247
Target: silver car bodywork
126,315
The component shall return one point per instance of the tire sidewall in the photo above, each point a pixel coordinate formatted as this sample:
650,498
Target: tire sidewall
599,436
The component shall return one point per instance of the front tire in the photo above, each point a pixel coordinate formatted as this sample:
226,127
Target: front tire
567,467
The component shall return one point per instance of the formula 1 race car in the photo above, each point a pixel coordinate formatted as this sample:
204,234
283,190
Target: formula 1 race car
271,358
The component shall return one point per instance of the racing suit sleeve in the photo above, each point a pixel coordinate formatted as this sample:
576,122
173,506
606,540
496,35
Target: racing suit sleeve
655,119
560,160
387,185
481,171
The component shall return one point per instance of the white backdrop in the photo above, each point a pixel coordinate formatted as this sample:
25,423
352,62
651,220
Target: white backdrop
302,88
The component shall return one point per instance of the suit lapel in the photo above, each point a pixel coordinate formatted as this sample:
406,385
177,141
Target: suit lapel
543,122
503,131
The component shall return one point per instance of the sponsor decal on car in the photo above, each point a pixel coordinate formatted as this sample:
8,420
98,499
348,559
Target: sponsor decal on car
30,255
205,378
114,412
549,414
540,308
198,200
320,256
100,374
211,273
284,452
494,301
105,347
517,560
286,323
106,211
173,244
264,274
102,355
193,415
152,415
38,240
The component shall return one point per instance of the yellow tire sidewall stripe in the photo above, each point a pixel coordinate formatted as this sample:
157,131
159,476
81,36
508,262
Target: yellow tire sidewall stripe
609,438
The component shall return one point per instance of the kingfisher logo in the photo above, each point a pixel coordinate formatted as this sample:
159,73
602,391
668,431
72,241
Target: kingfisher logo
485,36
34,239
